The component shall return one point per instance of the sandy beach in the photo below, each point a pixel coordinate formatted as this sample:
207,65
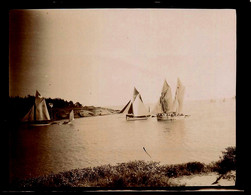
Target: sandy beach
206,179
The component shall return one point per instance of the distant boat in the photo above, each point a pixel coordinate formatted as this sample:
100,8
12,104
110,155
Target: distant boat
38,114
71,118
135,108
171,110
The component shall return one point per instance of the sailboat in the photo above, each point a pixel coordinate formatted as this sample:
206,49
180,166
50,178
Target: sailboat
171,110
135,108
127,106
38,114
164,104
177,106
71,118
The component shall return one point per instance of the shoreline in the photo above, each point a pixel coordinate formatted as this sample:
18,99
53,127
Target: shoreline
142,174
134,174
82,112
59,109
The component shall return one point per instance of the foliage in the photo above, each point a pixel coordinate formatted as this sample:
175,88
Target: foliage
19,106
183,169
227,162
60,103
130,174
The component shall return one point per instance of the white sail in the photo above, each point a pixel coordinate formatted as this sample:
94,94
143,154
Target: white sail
179,97
71,116
157,108
139,108
166,98
175,105
30,115
38,111
42,111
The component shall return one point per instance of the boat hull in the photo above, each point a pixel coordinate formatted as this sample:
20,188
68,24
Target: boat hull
38,123
170,117
133,118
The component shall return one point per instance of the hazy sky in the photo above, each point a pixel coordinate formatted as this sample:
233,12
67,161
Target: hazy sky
97,56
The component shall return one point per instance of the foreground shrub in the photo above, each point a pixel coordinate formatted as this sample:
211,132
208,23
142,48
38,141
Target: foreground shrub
195,167
184,169
227,162
131,174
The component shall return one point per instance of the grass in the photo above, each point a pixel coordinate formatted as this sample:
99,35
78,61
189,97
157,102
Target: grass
131,174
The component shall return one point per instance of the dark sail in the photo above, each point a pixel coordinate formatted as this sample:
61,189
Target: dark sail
121,111
130,111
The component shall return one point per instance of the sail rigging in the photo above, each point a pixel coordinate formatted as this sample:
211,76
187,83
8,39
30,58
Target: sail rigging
135,108
171,110
38,111
128,107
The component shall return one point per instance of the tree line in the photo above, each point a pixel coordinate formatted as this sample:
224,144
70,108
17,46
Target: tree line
19,106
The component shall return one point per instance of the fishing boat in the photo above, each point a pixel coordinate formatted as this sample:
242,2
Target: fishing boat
171,110
38,114
135,108
164,103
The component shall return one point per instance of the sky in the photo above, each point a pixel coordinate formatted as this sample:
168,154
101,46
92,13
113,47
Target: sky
98,56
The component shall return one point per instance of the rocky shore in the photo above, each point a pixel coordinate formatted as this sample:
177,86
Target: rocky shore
86,111
58,108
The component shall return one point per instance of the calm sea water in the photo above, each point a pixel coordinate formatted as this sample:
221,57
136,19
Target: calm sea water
93,141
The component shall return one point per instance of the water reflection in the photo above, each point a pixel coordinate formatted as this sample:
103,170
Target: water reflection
171,141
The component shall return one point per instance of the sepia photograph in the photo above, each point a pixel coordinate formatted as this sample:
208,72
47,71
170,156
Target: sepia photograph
122,98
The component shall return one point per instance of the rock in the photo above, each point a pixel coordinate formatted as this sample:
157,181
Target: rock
85,113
